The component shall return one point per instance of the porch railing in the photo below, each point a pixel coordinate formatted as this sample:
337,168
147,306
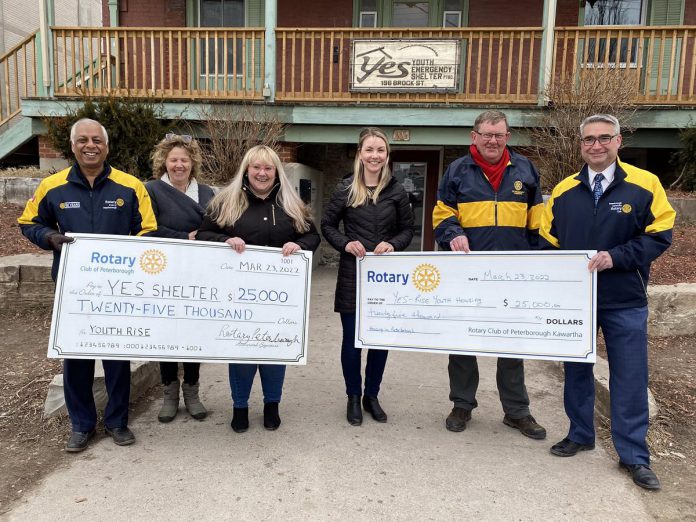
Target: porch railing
184,63
659,61
17,77
497,65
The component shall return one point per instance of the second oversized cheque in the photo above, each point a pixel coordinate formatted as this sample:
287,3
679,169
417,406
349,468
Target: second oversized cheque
531,304
121,297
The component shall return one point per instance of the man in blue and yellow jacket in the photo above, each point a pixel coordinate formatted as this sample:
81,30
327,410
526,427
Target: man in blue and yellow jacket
90,197
488,200
622,212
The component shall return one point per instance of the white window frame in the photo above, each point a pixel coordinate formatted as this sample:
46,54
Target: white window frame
364,15
445,14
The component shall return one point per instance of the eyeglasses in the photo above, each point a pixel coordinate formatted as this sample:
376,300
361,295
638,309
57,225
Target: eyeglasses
170,136
604,139
488,136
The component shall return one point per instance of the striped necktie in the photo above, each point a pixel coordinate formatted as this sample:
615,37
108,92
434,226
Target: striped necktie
597,190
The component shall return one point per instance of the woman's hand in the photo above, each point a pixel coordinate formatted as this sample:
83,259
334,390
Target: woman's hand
237,243
192,234
356,248
384,248
290,248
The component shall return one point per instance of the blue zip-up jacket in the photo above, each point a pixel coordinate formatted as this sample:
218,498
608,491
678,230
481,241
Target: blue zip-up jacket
504,220
65,202
632,221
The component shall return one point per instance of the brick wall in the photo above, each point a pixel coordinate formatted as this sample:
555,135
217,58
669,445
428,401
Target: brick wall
287,152
46,150
153,13
315,13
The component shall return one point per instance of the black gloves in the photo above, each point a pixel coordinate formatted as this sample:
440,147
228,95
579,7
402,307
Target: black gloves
56,240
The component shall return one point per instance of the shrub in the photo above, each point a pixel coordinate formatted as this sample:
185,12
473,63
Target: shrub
134,127
231,131
594,91
686,159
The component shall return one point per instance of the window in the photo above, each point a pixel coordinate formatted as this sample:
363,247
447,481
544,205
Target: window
452,19
221,13
613,12
410,14
368,18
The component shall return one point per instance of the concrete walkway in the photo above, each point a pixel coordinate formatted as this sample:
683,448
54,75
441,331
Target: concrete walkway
318,467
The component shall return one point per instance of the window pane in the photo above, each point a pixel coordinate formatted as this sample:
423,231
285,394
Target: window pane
453,5
410,14
613,12
368,5
222,13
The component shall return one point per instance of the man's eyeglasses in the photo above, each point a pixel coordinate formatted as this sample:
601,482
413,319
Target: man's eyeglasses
170,136
488,136
604,139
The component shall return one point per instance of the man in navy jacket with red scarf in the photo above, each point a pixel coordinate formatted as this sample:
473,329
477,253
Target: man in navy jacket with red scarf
489,199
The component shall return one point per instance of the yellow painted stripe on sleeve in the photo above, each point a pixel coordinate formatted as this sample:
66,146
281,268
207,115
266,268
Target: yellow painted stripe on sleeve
31,210
546,220
512,214
441,212
534,216
477,214
660,208
147,215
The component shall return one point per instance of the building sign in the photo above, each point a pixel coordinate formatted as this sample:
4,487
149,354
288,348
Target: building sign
405,65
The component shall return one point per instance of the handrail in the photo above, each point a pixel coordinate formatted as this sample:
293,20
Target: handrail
18,77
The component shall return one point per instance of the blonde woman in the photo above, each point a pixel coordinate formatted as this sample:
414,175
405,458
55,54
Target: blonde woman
179,203
259,207
377,218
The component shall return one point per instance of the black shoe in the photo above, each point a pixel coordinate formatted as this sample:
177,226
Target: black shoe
371,405
78,441
568,448
121,436
354,411
528,426
642,475
271,419
240,419
457,419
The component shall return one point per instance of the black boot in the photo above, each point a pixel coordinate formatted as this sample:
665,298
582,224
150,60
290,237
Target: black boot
354,411
371,405
240,419
271,419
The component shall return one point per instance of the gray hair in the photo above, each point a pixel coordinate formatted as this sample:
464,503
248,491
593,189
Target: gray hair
493,117
601,118
73,129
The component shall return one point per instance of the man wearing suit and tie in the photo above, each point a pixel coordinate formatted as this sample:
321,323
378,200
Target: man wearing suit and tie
622,212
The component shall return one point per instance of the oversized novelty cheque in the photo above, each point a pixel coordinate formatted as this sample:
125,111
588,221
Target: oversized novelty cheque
121,297
532,305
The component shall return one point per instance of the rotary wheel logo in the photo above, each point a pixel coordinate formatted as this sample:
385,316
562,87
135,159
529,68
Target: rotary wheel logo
626,209
62,206
426,278
153,261
120,202
518,185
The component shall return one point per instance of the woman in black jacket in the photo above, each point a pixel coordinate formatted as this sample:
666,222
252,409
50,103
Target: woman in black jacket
377,218
259,207
179,203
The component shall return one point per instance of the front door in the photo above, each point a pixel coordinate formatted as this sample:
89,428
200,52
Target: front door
418,171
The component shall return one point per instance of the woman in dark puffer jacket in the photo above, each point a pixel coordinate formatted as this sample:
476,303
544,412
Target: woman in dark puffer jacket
377,218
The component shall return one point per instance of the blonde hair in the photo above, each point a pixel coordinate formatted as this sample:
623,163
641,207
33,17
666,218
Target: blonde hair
230,203
164,147
359,194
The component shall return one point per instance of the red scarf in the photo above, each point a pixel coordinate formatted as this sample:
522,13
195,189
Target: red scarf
494,172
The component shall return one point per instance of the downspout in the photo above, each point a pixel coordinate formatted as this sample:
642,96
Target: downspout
269,74
547,44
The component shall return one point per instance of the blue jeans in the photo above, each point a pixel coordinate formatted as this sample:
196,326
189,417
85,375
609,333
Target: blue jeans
242,377
350,361
626,335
